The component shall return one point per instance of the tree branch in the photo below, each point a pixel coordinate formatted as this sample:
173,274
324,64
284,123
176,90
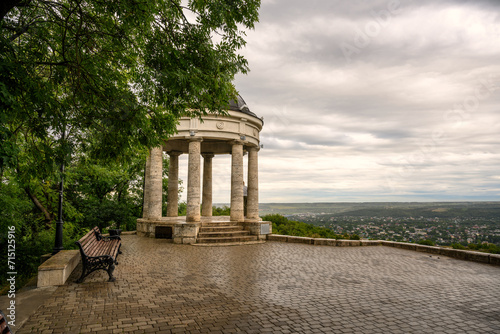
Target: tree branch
7,5
48,217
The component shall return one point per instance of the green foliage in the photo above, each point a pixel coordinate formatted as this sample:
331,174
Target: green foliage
458,246
111,75
426,242
32,237
486,247
182,209
284,226
103,194
224,211
108,195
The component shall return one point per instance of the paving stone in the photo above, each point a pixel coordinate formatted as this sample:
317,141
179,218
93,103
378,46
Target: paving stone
277,288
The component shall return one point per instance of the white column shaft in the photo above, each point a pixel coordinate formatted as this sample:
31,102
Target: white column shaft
206,204
155,178
173,185
253,184
237,182
193,191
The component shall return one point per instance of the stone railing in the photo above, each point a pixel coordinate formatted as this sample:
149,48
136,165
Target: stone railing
455,253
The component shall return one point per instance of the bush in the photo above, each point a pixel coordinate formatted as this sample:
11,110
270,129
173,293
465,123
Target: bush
426,242
486,247
224,211
182,209
458,246
284,226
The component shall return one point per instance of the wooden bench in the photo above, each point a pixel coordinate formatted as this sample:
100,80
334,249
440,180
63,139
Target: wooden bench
4,326
98,253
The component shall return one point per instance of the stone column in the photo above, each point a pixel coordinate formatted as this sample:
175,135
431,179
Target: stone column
253,184
147,184
173,184
193,191
237,181
206,203
155,182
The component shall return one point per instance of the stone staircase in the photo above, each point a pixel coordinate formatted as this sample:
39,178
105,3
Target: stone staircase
223,232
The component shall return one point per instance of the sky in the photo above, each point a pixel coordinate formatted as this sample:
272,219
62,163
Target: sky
373,101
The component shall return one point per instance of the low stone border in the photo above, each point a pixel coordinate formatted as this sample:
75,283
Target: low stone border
455,253
123,233
57,269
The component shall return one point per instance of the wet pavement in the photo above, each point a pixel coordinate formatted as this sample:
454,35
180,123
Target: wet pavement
275,288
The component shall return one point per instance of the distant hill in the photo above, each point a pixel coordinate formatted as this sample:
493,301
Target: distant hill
388,209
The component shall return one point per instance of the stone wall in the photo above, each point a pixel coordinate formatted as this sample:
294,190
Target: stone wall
493,259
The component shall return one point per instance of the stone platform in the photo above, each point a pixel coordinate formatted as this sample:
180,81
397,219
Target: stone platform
275,287
179,231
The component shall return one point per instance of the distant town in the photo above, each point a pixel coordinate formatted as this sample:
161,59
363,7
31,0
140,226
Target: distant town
443,223
442,231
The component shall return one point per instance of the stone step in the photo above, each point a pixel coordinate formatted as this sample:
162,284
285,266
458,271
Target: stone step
219,224
223,234
227,239
221,229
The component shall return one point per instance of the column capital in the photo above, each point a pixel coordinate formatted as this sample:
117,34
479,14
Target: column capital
174,153
253,148
237,142
207,155
194,139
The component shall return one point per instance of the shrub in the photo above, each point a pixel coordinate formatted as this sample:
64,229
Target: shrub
284,226
426,242
224,211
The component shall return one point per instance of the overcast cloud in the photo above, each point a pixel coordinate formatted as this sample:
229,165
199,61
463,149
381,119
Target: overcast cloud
374,101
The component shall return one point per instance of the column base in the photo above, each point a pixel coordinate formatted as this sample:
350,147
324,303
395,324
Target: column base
175,229
258,227
186,233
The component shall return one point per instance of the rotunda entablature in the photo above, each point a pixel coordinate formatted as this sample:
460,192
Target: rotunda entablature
217,132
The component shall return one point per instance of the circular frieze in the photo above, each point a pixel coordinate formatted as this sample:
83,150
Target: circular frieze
220,125
255,132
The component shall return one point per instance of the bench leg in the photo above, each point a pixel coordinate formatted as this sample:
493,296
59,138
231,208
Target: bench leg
110,272
82,276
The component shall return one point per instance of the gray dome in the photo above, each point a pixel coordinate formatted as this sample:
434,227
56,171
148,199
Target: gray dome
241,106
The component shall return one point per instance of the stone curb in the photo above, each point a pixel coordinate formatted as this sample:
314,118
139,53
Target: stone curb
230,244
480,257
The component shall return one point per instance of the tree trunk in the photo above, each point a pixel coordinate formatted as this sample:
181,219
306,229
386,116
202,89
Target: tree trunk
48,217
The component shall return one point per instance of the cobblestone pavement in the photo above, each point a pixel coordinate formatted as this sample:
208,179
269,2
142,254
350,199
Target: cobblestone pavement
275,288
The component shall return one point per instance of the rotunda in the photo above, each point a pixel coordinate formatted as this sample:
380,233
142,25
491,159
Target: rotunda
236,133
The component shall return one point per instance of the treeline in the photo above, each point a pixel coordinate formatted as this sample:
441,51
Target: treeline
105,194
284,226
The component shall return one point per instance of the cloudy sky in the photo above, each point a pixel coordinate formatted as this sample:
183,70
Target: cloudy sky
374,100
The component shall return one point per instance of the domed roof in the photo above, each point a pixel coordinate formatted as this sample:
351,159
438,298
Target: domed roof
241,106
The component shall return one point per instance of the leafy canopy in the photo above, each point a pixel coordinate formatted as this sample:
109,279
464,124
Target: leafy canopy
112,74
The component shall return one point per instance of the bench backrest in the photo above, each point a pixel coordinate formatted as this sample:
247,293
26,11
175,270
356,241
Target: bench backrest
93,244
90,240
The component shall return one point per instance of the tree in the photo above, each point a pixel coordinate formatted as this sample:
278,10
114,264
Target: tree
110,69
117,72
107,76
